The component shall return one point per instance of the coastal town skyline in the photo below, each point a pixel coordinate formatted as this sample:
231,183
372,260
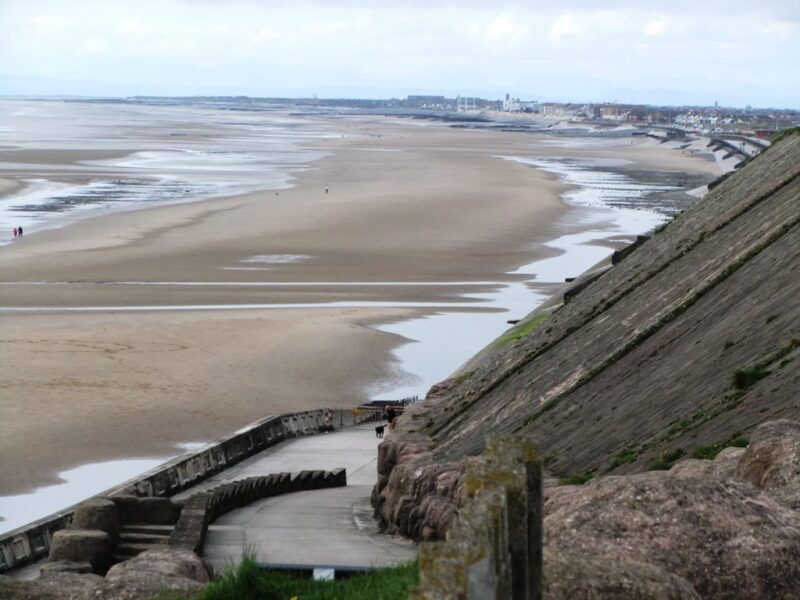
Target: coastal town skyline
733,53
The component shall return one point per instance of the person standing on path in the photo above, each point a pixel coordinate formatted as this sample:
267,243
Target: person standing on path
391,415
326,189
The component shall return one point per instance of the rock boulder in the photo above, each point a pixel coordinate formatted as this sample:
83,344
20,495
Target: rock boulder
728,540
55,586
772,461
82,545
97,513
161,569
570,576
65,566
722,467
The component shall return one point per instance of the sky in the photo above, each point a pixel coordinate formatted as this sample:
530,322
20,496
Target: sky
657,52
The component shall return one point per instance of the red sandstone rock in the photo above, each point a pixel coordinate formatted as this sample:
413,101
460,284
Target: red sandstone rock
772,461
726,538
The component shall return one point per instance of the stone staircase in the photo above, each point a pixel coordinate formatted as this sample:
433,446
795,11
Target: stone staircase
136,538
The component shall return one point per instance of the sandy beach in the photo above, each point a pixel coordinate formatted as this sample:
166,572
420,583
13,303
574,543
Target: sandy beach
429,207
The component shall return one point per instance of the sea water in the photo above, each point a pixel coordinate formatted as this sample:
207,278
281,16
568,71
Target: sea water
76,159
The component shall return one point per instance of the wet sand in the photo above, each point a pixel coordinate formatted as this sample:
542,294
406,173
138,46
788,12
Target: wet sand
8,186
417,204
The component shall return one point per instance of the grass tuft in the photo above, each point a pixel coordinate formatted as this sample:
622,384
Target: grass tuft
667,458
707,452
627,455
249,582
521,330
578,479
744,378
739,441
710,452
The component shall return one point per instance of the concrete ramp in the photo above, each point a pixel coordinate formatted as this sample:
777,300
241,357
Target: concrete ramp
331,527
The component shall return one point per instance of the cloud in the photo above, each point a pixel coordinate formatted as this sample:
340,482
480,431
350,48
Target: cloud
655,27
564,26
50,24
782,29
503,28
93,45
474,46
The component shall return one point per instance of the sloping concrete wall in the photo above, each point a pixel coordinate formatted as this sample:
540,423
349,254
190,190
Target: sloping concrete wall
639,368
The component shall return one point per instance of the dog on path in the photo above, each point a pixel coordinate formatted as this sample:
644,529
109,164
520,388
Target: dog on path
379,431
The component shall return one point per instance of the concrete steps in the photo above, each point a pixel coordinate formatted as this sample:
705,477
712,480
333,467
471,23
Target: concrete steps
158,530
135,539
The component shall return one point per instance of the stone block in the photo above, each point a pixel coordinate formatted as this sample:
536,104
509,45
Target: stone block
301,481
82,545
65,566
337,477
492,550
282,483
158,511
97,513
129,509
513,463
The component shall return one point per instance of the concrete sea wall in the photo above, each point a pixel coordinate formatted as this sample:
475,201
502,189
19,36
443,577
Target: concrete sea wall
688,342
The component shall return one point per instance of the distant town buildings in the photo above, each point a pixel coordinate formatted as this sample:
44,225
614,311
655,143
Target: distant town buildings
438,102
760,122
516,105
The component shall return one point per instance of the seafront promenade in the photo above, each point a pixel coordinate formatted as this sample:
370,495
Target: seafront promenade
319,528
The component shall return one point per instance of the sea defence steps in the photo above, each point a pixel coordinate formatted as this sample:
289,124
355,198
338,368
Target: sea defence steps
32,542
107,531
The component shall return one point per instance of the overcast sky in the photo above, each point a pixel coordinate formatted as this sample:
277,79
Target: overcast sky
675,51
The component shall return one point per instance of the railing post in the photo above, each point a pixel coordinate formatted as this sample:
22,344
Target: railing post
494,551
515,465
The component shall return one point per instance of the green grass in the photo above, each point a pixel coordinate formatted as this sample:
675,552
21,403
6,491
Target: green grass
710,452
578,479
707,452
739,441
521,330
744,378
667,458
248,582
784,134
627,455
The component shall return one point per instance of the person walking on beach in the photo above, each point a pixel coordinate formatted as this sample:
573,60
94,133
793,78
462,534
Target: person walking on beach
19,231
326,189
15,232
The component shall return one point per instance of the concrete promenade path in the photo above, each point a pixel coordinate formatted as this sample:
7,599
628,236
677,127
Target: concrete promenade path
331,527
